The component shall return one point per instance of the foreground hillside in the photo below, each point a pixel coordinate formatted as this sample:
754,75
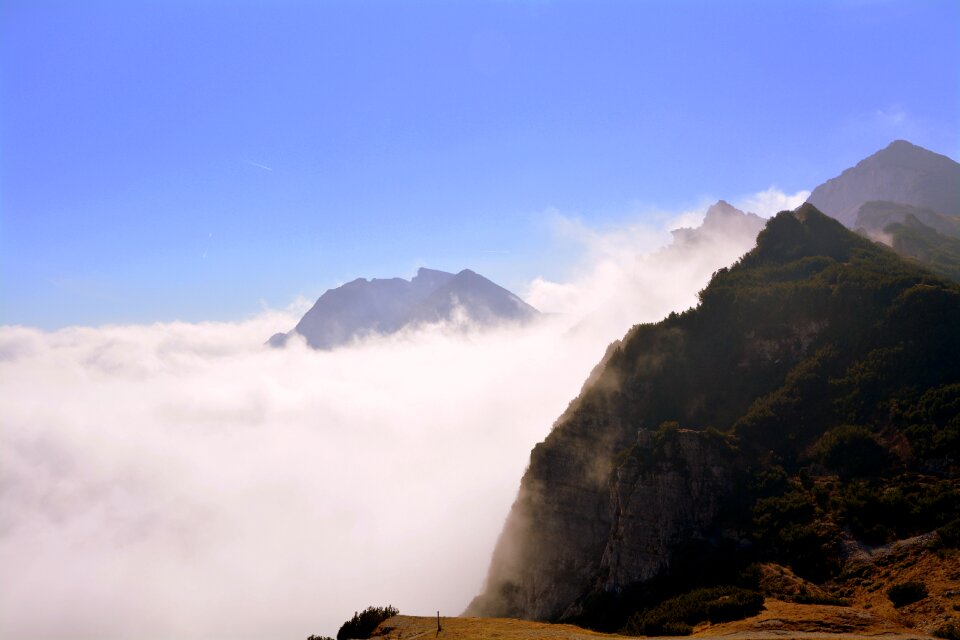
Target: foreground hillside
779,619
805,413
789,608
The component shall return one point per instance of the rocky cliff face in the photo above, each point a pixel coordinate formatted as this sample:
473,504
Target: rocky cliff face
667,488
615,519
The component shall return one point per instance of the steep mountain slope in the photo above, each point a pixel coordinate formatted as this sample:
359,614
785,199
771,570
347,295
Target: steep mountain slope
903,173
384,306
809,403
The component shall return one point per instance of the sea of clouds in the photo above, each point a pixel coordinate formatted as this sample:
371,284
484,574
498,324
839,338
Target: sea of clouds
182,480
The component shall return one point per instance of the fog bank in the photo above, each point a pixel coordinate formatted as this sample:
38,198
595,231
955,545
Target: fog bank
184,481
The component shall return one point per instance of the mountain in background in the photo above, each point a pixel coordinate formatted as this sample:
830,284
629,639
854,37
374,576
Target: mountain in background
805,411
384,306
722,222
904,196
902,173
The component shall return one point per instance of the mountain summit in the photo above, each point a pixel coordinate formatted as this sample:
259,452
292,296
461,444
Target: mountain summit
903,173
722,221
384,306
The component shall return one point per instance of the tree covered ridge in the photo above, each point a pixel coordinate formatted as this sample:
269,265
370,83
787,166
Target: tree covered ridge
831,366
814,328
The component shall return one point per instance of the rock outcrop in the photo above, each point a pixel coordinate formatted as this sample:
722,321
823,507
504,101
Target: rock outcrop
615,518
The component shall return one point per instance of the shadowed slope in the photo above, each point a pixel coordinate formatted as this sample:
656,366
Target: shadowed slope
631,498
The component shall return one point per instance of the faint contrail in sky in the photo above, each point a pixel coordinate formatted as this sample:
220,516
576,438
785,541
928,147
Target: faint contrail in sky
258,165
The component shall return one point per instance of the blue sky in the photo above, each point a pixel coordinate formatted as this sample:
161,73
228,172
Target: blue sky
191,160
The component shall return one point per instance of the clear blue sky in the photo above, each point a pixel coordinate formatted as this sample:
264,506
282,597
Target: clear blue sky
185,160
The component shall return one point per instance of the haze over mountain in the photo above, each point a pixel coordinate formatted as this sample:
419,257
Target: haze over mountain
639,274
722,221
383,306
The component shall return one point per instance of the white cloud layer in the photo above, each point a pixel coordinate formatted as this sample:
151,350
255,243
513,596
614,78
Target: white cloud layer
772,201
183,481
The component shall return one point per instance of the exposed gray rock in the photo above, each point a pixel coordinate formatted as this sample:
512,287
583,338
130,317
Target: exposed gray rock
668,488
585,510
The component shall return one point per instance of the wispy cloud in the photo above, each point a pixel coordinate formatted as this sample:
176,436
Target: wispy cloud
635,272
258,165
771,201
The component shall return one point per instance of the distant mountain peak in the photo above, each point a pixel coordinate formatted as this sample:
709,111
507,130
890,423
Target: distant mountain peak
721,220
722,207
902,144
901,172
424,272
387,305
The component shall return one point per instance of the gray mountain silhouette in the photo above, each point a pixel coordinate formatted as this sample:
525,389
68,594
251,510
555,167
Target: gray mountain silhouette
902,173
722,221
384,306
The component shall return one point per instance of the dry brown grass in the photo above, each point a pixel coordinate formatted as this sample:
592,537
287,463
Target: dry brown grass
939,570
784,618
779,620
410,627
871,614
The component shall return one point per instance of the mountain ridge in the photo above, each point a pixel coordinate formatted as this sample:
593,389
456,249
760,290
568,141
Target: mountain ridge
658,475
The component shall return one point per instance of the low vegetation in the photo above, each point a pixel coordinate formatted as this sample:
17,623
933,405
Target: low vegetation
906,593
678,615
948,630
363,624
949,534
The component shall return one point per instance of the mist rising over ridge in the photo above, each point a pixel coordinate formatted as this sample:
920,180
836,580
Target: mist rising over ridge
624,287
